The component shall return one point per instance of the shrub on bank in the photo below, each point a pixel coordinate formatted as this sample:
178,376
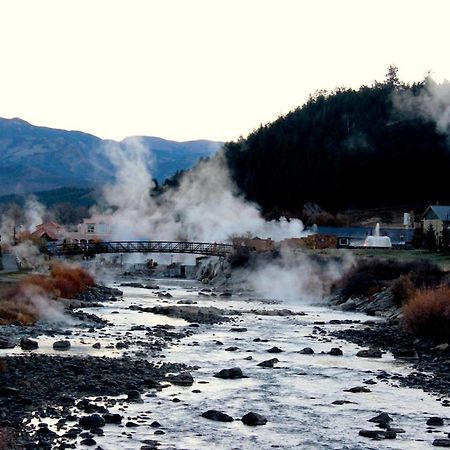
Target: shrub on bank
371,276
427,314
19,306
403,289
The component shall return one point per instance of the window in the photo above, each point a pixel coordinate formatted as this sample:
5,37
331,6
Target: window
90,227
102,228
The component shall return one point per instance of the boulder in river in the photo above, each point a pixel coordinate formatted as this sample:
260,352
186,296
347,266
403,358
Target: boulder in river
219,416
61,345
230,374
92,421
435,422
181,379
307,351
358,389
441,443
369,353
28,344
378,434
269,363
335,351
6,344
253,419
274,350
112,418
383,419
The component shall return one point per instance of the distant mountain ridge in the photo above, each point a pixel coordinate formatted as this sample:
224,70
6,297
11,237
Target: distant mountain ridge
35,158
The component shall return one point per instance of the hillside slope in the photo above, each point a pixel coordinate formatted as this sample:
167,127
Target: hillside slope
38,158
345,149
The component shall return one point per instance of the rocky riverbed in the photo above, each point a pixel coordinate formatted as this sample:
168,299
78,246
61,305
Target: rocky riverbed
180,366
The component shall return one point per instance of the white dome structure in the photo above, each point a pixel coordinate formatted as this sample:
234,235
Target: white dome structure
376,240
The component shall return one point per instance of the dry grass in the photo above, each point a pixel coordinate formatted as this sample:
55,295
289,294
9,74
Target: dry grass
67,281
427,314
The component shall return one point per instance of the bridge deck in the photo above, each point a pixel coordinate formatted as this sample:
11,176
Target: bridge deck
94,248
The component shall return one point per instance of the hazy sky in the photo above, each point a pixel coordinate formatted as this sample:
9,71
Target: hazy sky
215,69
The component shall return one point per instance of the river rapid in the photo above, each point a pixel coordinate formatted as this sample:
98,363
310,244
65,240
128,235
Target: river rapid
296,395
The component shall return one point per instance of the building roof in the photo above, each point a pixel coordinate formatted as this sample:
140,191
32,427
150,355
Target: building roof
442,212
42,232
49,224
397,235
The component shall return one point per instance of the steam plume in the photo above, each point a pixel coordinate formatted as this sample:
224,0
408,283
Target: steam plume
205,207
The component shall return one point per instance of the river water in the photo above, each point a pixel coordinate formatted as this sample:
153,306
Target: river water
296,396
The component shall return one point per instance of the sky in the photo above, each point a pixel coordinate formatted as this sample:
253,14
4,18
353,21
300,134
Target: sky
203,69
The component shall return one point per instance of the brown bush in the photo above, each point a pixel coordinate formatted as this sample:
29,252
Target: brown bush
403,289
427,314
64,281
69,281
2,366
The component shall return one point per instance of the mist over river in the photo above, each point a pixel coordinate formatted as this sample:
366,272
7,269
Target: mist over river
304,397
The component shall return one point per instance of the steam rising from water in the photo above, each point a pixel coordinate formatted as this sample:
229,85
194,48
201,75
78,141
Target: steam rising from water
296,277
205,207
433,103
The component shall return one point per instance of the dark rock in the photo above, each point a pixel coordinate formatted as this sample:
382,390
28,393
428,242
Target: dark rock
61,345
112,418
28,344
441,442
219,416
274,350
121,345
404,353
307,351
134,396
131,424
6,344
253,419
335,351
435,422
231,349
358,389
230,374
155,424
92,421
377,434
181,379
369,353
88,442
269,362
382,419
97,345
238,329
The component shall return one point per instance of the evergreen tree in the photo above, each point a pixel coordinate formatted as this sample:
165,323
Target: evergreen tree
430,239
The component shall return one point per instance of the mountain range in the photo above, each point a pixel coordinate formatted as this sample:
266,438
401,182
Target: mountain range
35,158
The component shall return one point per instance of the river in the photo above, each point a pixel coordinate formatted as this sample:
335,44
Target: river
296,396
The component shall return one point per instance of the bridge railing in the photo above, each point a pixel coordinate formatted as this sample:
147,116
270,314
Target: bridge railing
92,248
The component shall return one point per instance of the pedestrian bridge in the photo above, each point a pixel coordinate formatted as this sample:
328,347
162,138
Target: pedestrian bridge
95,248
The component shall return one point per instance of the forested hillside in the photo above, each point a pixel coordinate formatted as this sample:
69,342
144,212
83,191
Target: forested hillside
348,148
